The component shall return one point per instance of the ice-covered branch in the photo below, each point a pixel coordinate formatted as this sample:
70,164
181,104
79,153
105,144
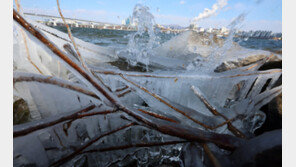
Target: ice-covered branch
135,145
147,75
86,145
124,93
165,102
26,43
158,116
257,65
211,156
26,77
71,37
213,110
184,132
255,73
21,130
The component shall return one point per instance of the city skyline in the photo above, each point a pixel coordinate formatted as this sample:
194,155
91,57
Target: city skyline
260,15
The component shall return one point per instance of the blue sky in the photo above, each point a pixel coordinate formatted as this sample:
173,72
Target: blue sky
262,14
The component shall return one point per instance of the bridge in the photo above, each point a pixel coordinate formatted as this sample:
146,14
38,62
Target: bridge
52,21
72,22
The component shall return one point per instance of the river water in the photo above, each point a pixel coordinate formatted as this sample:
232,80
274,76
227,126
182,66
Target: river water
120,38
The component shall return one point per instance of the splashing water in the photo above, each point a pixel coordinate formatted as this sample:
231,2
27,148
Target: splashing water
141,44
228,43
218,53
144,45
169,91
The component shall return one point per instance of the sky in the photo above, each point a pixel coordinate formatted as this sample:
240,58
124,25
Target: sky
260,14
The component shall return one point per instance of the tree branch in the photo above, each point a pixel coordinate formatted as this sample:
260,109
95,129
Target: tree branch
49,122
79,150
226,141
71,37
211,156
54,81
152,144
233,129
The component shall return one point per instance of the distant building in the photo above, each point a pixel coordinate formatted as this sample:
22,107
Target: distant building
196,28
201,29
193,26
209,30
224,30
129,22
123,22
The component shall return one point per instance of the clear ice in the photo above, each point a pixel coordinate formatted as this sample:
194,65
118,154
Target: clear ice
183,73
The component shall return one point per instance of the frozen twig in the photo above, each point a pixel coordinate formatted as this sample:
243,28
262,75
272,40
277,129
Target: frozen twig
124,93
255,73
259,63
173,76
194,134
185,113
71,37
149,144
211,156
95,113
121,89
166,103
26,43
49,122
101,80
69,49
213,110
66,40
207,104
22,77
158,116
130,74
95,139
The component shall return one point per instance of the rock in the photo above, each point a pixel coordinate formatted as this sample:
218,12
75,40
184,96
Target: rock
274,61
21,113
271,157
279,104
271,65
273,112
263,150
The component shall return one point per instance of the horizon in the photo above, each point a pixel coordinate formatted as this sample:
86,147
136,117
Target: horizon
260,14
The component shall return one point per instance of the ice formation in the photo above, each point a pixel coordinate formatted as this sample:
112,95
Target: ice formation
147,109
141,44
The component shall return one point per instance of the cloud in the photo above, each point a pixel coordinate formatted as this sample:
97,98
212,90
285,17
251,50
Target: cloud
182,2
210,12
